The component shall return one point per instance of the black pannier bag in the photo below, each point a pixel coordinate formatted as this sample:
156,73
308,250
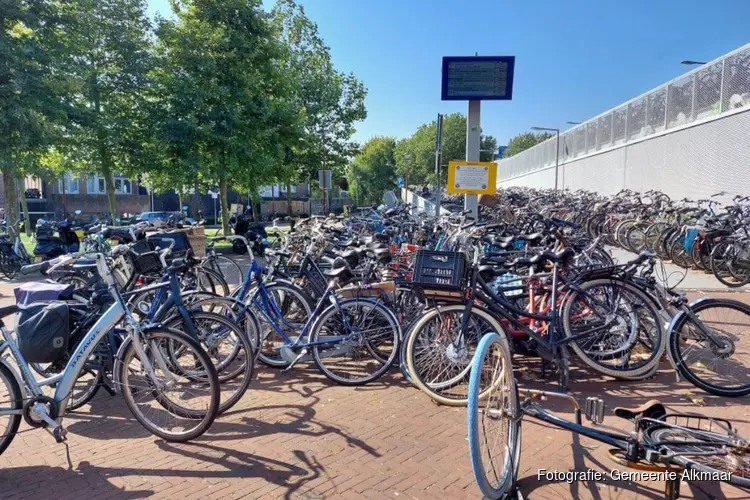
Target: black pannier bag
43,331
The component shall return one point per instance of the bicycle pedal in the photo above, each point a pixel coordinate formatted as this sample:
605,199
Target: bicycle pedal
594,410
60,434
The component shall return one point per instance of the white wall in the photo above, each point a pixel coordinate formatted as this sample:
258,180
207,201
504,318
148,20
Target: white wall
692,162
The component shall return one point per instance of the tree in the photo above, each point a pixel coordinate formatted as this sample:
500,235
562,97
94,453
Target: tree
110,59
373,170
229,108
523,142
329,102
31,90
415,156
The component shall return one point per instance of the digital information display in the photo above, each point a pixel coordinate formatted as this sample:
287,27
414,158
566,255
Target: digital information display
479,78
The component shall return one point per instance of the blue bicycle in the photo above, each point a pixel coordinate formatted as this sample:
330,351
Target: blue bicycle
353,340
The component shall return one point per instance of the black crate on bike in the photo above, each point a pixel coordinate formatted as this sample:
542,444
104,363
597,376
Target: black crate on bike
145,257
441,270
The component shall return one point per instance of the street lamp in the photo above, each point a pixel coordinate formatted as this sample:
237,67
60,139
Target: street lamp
692,63
557,148
573,123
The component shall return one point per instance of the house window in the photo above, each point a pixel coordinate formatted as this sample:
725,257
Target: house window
122,185
71,184
96,185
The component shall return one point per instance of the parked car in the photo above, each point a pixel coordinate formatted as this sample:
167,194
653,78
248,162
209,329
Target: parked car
155,218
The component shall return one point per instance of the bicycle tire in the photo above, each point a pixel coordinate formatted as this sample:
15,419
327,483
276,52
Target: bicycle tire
228,269
417,377
204,418
226,371
637,373
658,437
333,311
684,367
15,403
476,417
721,270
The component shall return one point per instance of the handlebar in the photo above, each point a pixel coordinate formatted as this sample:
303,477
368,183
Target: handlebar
32,268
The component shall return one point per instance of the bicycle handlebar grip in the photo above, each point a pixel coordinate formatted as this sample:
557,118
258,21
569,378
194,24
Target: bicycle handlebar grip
32,268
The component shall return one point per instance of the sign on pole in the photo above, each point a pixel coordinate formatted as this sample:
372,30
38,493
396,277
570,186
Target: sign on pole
324,178
400,182
472,177
475,79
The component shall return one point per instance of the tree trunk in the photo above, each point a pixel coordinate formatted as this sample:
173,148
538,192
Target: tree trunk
104,157
224,207
11,198
25,207
109,182
289,198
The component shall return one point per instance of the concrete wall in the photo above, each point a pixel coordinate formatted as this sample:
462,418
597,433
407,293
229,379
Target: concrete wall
692,162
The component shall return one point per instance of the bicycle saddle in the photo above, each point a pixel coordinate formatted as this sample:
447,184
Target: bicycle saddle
531,237
549,256
283,253
650,409
8,310
339,270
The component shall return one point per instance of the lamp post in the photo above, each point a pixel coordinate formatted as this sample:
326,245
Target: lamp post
557,148
693,63
573,123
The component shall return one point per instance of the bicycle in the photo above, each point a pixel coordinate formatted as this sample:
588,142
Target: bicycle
142,355
353,341
600,318
659,440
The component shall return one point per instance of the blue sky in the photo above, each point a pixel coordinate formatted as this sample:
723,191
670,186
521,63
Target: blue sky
574,58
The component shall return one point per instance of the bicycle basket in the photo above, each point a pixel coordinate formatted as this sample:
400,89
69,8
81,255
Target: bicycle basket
43,331
441,270
310,270
140,259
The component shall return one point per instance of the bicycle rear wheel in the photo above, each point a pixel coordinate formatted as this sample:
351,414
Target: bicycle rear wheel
723,369
11,403
704,451
494,418
168,404
370,347
228,348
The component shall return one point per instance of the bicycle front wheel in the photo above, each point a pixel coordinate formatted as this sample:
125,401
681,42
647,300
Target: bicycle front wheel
718,365
494,418
614,328
229,270
366,341
439,352
167,403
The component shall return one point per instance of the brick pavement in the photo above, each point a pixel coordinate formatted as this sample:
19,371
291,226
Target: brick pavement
296,435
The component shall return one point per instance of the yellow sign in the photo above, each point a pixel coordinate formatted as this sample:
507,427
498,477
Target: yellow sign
472,177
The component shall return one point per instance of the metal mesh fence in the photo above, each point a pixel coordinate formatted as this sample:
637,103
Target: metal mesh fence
719,87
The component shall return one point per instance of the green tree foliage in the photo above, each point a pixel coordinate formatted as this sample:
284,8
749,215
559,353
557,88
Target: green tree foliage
415,156
373,170
329,102
31,89
523,142
109,49
228,106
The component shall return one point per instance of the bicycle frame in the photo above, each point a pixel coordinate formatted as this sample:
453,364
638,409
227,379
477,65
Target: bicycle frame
67,378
